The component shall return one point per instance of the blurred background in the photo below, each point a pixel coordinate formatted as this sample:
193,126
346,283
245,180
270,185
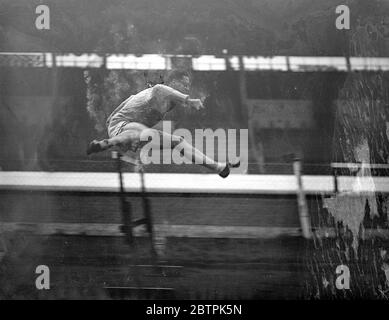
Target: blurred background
287,112
49,115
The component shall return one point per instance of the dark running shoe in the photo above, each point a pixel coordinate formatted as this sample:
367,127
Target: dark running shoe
226,171
94,147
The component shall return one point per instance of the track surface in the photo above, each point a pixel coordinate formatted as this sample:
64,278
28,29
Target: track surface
83,267
92,267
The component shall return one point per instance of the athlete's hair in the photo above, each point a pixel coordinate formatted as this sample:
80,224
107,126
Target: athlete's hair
150,84
177,75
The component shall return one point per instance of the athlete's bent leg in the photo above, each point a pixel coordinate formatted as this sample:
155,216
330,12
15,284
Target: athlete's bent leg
127,139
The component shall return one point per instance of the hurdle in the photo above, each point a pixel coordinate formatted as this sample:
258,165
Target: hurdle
302,202
127,228
128,223
155,184
241,188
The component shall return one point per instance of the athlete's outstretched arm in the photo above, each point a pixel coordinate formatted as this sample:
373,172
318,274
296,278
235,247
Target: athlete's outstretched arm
164,94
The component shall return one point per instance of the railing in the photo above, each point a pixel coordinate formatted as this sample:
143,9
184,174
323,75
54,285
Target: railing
197,63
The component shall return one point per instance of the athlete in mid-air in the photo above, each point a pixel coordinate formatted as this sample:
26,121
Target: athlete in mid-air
139,113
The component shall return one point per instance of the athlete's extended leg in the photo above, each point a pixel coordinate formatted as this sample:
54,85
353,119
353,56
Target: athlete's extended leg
130,138
196,156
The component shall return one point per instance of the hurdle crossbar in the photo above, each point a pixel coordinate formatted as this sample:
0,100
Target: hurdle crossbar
187,183
352,165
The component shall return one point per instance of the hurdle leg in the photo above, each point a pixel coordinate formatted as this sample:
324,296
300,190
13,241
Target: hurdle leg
335,175
148,220
302,202
127,225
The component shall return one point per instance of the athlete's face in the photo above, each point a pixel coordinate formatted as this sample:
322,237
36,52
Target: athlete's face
182,84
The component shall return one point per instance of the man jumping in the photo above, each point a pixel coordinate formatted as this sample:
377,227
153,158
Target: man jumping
138,114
